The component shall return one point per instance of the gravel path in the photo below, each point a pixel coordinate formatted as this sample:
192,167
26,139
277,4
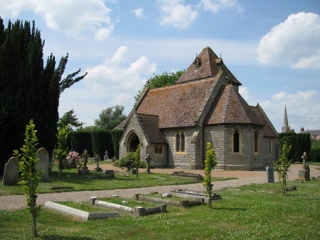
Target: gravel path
244,178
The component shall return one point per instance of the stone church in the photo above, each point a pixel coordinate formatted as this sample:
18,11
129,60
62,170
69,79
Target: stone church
174,123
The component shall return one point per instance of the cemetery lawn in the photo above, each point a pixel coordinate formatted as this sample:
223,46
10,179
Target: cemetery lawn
72,181
257,211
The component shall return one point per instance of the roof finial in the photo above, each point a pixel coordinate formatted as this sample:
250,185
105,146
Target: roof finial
220,55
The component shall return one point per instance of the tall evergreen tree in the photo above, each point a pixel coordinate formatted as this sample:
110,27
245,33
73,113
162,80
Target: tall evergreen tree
69,119
28,89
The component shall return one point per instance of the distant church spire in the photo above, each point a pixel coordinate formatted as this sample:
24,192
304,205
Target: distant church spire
285,127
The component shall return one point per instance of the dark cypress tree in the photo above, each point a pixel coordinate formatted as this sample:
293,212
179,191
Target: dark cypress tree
28,89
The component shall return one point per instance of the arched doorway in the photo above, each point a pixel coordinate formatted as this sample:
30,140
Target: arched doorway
133,142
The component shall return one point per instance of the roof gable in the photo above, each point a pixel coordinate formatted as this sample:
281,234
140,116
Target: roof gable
150,128
231,108
207,64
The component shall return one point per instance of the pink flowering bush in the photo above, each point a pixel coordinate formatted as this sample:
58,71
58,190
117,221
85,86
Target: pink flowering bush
73,159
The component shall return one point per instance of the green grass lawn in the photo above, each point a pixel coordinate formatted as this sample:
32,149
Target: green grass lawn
72,181
257,211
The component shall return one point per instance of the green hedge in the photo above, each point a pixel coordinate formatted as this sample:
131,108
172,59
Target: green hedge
96,141
315,151
116,136
79,141
300,142
102,141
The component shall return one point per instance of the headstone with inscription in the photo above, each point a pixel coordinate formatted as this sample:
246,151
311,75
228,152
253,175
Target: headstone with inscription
11,172
43,164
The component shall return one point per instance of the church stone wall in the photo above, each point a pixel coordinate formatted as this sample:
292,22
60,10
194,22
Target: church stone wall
221,136
158,159
183,160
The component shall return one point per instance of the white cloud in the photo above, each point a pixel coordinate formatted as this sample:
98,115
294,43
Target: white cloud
301,108
11,9
73,18
120,74
114,82
294,42
244,92
175,13
103,33
139,13
217,5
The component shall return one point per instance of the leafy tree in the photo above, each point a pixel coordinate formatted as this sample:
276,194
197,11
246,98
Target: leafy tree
209,163
30,175
137,159
165,79
110,117
282,166
28,87
62,149
69,119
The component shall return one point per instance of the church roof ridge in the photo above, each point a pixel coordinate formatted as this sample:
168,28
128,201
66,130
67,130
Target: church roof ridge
206,64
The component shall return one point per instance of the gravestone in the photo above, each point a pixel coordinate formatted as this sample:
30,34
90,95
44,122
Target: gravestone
85,156
84,169
109,173
148,160
305,173
43,164
11,172
270,175
97,158
106,156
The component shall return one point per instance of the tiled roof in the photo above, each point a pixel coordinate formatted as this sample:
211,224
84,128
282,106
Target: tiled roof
150,126
207,64
231,108
268,128
177,105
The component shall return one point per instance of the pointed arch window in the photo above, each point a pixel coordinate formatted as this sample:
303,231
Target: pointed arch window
156,149
177,142
180,142
269,146
236,141
256,144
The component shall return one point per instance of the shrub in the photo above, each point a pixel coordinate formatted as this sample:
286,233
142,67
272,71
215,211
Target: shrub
127,161
73,159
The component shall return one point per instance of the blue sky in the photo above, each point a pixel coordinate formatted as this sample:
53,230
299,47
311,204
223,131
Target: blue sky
272,47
